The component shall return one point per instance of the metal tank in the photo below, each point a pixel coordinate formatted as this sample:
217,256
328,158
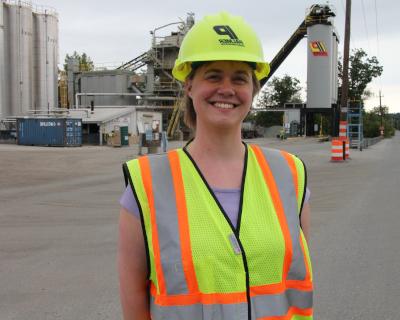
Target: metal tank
320,67
19,56
335,71
45,42
3,111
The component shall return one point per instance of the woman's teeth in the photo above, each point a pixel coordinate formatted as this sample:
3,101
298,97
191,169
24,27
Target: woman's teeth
224,105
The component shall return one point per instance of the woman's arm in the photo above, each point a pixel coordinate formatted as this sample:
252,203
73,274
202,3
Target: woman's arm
305,220
132,268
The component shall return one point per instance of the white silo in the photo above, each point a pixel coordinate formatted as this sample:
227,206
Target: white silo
19,56
45,59
335,70
322,49
3,111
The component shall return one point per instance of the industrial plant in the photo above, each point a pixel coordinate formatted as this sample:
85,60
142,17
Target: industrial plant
141,94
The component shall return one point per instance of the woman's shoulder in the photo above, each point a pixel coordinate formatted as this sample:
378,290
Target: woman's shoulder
151,156
267,151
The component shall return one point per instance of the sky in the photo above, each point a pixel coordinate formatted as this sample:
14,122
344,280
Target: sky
112,32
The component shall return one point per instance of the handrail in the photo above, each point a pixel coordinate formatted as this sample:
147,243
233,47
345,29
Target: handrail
36,8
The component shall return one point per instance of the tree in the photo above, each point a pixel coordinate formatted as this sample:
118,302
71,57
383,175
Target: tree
396,120
268,118
373,120
280,91
85,62
362,70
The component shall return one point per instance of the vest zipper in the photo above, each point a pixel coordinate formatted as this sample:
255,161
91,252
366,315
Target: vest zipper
234,230
246,270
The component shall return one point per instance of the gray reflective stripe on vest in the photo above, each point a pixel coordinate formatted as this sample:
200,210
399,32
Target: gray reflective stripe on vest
262,306
279,304
199,312
284,180
167,225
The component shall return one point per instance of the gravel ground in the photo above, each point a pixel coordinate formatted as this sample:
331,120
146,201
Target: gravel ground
58,230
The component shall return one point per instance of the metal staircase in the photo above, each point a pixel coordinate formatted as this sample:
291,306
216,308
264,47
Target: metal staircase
175,117
136,63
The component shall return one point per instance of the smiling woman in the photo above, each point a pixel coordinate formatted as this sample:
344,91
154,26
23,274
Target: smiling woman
222,93
243,76
220,234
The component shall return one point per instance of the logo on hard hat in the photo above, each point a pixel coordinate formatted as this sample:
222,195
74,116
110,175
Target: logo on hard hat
318,49
227,31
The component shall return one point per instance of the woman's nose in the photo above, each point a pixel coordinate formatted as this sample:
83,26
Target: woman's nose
226,88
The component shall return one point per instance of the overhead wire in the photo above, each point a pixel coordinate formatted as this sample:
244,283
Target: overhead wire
377,40
377,30
344,14
365,24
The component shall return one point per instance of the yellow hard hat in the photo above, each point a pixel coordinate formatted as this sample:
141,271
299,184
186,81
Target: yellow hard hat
220,37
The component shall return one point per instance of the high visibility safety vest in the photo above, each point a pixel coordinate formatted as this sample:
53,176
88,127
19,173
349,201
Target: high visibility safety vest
200,266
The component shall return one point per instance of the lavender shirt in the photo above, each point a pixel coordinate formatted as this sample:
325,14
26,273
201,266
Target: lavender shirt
228,198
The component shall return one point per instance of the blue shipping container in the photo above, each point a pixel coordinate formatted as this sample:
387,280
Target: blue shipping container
65,132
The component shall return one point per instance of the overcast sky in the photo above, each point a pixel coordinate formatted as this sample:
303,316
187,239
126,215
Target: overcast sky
116,31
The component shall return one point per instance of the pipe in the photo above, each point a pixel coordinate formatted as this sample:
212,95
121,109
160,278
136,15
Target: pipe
77,95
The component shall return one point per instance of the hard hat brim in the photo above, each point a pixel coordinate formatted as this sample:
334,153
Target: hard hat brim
182,69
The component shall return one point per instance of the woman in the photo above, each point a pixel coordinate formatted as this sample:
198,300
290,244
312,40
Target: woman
219,232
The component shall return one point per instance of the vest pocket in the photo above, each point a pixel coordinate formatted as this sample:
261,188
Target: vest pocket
174,276
215,275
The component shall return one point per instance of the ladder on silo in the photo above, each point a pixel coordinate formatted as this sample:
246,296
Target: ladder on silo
355,125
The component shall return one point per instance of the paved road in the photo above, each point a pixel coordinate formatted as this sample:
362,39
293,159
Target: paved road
356,235
58,231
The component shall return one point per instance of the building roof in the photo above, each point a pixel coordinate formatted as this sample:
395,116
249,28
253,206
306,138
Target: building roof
101,114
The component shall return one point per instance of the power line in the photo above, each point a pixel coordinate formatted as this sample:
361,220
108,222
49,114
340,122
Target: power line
377,30
377,39
365,24
344,13
343,8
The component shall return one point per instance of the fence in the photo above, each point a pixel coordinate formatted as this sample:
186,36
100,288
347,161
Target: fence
367,142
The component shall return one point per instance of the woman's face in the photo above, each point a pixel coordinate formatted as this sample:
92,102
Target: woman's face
222,93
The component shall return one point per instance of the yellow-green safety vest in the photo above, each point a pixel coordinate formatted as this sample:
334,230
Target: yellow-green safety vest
200,266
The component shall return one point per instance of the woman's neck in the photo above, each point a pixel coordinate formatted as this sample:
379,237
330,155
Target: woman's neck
217,145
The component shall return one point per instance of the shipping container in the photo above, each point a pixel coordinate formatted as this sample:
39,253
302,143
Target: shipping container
63,132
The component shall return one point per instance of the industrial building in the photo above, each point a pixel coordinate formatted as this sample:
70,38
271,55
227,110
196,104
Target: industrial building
130,84
28,58
100,122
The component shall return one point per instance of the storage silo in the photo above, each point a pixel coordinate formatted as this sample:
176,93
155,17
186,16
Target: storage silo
45,59
335,70
320,70
19,56
3,111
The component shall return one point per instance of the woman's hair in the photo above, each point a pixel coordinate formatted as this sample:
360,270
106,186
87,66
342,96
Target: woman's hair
189,114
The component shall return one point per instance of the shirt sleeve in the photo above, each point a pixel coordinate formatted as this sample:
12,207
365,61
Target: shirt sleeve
307,196
128,202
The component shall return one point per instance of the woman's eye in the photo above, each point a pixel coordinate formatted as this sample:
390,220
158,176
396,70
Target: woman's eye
212,77
240,80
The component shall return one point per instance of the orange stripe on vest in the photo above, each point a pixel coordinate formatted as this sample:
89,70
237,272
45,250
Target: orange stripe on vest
183,223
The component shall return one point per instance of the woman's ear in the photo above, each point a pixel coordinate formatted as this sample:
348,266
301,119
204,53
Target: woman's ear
188,87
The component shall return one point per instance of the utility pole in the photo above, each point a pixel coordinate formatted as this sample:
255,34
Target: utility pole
381,129
346,50
380,107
